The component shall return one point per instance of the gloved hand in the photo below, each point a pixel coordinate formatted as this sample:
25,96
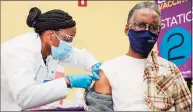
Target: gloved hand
95,71
79,80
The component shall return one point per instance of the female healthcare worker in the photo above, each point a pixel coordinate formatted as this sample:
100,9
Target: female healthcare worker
23,67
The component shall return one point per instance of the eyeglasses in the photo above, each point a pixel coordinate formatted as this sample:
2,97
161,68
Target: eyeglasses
65,37
154,28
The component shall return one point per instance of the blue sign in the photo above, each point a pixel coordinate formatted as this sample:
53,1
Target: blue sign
175,45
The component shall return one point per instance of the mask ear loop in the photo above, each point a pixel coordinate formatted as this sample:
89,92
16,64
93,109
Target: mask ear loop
56,37
50,41
59,38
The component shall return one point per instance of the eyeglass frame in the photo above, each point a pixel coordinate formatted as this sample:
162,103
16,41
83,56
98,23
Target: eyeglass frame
146,25
64,37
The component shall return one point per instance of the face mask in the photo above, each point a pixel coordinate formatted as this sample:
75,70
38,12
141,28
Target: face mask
62,51
142,41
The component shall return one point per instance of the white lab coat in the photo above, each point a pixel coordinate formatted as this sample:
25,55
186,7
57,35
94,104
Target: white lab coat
23,72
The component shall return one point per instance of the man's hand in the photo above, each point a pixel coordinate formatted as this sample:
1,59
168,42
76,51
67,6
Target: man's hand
102,85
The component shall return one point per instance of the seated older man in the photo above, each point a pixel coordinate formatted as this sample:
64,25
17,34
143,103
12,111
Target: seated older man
140,80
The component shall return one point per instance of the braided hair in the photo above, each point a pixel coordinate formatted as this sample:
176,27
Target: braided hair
51,20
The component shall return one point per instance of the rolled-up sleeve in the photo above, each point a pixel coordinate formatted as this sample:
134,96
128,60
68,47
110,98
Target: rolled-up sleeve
181,95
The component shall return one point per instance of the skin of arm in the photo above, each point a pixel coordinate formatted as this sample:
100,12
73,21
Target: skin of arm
102,85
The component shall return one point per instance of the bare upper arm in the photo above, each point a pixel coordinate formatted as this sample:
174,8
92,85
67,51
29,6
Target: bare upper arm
102,85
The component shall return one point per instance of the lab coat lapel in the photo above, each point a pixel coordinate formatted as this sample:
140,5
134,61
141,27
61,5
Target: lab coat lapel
41,70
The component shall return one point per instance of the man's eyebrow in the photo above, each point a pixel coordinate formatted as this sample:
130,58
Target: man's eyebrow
140,20
155,22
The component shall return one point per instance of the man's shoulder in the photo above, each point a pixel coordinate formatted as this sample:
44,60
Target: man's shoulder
114,61
166,68
112,65
164,62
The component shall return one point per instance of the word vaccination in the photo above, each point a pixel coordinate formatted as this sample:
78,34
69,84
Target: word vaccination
163,4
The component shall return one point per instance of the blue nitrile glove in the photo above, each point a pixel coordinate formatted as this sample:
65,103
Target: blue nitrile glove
79,80
95,71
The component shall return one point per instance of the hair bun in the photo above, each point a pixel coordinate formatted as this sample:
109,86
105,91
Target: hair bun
33,14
